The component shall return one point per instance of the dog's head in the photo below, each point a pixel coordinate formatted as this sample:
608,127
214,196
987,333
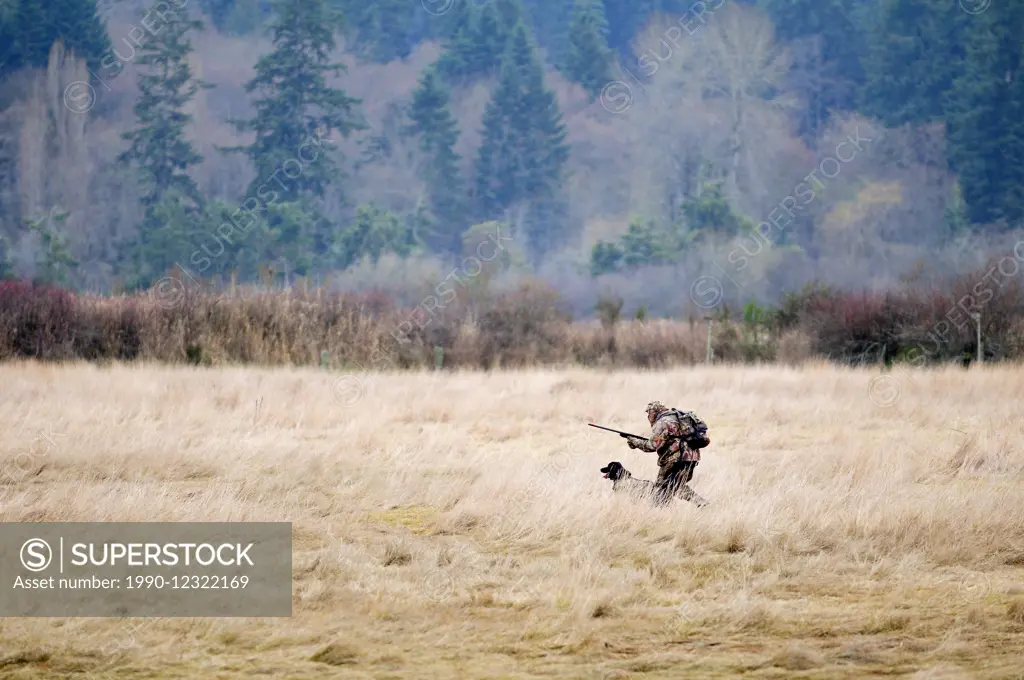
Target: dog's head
614,471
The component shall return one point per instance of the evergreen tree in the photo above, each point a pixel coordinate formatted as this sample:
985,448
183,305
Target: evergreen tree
712,212
28,33
550,21
489,39
523,152
478,41
218,11
6,270
296,111
589,60
437,130
456,62
373,233
831,37
78,24
160,149
32,37
379,30
627,17
55,263
987,110
914,52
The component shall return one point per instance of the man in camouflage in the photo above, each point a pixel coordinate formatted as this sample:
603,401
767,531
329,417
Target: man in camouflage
676,460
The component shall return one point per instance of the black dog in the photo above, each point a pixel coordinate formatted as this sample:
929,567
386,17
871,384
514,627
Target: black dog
622,480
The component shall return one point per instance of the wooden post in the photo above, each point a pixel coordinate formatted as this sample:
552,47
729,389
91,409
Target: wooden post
977,320
711,352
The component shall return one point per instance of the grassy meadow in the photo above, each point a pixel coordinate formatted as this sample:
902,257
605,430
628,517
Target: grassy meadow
455,524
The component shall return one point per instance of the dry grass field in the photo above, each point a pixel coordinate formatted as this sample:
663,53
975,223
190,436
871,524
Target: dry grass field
457,526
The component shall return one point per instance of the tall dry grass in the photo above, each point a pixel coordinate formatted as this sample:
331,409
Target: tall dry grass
456,525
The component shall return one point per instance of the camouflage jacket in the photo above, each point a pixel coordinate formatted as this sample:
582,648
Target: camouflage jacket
666,440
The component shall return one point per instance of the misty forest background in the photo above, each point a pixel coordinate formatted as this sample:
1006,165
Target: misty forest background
435,122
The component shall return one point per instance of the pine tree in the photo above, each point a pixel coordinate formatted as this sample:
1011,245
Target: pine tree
432,121
218,11
550,22
498,179
455,63
295,103
479,39
372,233
296,111
987,107
78,24
914,52
828,41
32,36
28,33
627,17
588,61
490,36
160,149
524,151
380,30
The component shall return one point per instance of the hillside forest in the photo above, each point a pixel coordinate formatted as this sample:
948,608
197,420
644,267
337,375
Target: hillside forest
626,146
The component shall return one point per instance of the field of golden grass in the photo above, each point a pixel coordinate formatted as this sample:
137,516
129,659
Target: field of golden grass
457,526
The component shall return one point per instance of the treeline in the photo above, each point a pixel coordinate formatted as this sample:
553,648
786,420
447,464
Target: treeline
478,328
512,121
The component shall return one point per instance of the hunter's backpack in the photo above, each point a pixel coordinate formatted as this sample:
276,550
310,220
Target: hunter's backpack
699,439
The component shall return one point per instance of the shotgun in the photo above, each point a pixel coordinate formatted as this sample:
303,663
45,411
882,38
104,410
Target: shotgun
624,435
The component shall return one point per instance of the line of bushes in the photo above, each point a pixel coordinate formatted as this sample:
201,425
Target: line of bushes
524,327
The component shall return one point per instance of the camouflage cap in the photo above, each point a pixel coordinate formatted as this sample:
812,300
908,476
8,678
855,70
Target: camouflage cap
656,407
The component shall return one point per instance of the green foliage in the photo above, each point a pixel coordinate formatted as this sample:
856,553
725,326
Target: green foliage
828,38
432,122
956,213
30,29
712,212
795,304
294,103
249,242
648,243
522,156
903,61
6,270
373,233
609,310
246,17
757,318
986,121
55,262
588,61
160,149
295,111
627,17
605,258
644,243
913,53
379,30
478,41
491,240
550,21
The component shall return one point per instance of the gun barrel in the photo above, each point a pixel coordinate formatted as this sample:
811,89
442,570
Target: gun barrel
618,432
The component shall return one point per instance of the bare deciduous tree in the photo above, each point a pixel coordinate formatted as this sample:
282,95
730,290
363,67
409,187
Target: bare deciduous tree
743,67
